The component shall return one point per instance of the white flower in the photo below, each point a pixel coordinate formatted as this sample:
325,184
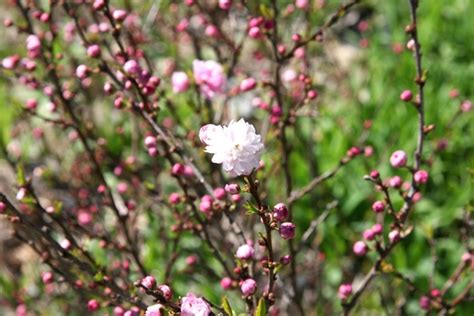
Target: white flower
236,146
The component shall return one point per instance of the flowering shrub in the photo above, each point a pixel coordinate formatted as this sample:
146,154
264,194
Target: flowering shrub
227,157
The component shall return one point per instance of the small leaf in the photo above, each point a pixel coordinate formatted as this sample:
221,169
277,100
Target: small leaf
226,306
251,209
261,308
20,174
266,12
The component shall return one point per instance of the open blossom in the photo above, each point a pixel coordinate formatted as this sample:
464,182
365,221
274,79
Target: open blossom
154,310
236,146
194,306
180,81
210,77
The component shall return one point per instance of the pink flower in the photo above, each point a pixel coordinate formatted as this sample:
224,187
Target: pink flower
194,306
180,81
33,43
421,176
287,230
248,287
154,310
398,159
210,77
248,84
10,62
245,252
345,290
280,212
359,248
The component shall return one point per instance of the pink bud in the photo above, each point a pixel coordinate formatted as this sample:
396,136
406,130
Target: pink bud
421,176
93,305
406,95
411,44
122,187
3,207
191,260
119,311
33,43
312,94
131,67
205,206
378,206
285,259
248,287
98,4
398,159
394,236
188,172
10,62
166,291
424,302
359,248
255,22
345,290
211,31
65,244
81,71
220,194
31,104
377,229
248,84
119,15
368,234
435,293
280,212
180,82
296,37
466,106
395,182
245,252
287,230
93,51
302,4
47,277
226,283
150,141
466,257
177,169
174,198
232,188
225,4
254,32
149,282
235,198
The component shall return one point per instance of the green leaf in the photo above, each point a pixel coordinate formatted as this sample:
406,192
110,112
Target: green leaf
226,306
265,11
20,175
261,308
251,209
